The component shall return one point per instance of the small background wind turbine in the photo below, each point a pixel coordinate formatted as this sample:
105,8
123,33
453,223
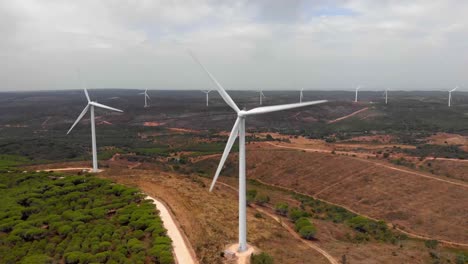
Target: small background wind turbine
146,97
450,96
386,96
356,97
91,105
301,95
207,96
239,131
261,95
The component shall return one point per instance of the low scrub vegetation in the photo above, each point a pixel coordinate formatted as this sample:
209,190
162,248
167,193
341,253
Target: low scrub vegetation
51,218
365,228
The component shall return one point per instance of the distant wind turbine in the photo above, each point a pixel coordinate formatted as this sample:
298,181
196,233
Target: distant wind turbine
386,96
239,131
207,96
450,96
91,105
301,95
356,97
146,97
261,95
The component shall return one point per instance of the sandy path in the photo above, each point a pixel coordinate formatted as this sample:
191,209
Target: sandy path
66,169
348,116
180,247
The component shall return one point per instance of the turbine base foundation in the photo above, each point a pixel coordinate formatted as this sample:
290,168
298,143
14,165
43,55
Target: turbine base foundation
232,253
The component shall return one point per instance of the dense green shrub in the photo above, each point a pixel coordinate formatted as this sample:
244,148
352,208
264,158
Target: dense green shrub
47,218
282,209
262,258
308,231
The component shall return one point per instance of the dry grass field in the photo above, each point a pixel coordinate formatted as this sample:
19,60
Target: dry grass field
426,206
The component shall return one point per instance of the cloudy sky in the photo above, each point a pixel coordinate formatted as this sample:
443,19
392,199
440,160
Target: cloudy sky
268,44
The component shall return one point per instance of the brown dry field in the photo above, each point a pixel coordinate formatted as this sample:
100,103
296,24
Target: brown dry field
423,206
451,169
451,139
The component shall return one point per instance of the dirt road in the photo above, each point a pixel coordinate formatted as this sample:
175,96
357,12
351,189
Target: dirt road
348,116
289,229
180,246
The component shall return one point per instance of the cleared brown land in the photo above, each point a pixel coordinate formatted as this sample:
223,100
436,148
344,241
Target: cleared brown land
422,205
210,219
457,169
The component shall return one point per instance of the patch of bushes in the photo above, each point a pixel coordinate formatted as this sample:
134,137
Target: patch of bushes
262,258
49,218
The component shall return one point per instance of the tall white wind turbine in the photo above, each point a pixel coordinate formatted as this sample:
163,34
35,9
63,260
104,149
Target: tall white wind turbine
91,105
207,96
239,131
261,96
450,96
301,95
146,97
356,97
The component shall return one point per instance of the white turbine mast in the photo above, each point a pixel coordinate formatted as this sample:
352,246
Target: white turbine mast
356,97
239,131
450,96
146,97
207,96
91,105
386,95
301,95
261,95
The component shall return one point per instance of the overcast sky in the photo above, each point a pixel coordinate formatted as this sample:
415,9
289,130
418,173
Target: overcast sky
268,44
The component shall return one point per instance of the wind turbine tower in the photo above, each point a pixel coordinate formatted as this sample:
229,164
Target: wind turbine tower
356,97
90,106
450,96
301,95
386,96
146,97
261,95
207,96
239,131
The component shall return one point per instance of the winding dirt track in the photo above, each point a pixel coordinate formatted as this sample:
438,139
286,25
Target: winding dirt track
180,246
310,244
348,116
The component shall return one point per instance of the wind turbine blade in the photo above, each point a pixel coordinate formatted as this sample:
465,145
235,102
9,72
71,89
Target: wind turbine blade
454,89
227,149
87,95
220,88
268,109
147,96
79,118
105,106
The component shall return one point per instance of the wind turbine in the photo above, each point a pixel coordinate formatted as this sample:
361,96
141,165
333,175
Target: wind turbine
261,96
356,97
239,131
450,96
301,96
91,105
146,97
207,96
386,95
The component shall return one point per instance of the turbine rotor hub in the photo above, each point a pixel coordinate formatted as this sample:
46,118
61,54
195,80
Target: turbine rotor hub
242,113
